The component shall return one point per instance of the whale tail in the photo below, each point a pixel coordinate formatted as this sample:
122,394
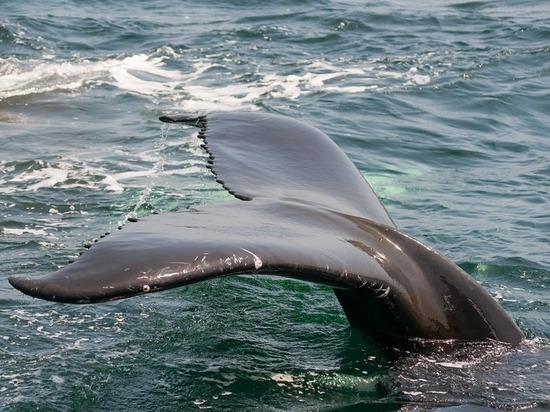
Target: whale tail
308,214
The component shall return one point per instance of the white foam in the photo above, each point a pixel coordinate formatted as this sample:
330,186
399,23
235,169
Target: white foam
196,93
20,232
48,176
31,77
197,89
139,73
282,377
144,75
65,174
454,365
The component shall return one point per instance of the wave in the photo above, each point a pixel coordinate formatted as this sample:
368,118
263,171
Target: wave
21,78
214,82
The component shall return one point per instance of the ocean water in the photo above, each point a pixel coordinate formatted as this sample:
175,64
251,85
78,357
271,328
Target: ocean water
444,107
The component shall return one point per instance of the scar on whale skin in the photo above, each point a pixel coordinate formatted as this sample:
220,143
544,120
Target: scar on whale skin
306,213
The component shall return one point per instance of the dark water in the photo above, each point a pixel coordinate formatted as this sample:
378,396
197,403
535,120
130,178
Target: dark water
444,106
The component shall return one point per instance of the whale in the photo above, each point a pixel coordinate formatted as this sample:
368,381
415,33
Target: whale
303,211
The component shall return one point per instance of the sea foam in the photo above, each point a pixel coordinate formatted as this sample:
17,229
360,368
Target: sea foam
191,86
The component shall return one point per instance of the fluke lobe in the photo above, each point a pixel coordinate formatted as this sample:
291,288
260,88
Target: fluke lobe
306,213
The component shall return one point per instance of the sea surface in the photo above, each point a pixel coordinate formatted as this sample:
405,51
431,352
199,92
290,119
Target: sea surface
444,106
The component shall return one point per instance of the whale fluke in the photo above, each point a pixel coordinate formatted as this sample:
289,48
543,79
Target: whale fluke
306,213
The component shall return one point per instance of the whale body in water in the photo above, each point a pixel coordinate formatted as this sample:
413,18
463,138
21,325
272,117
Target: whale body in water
306,212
